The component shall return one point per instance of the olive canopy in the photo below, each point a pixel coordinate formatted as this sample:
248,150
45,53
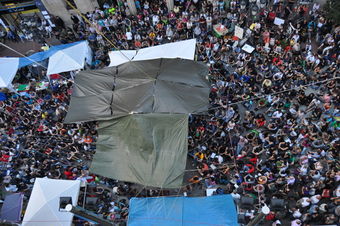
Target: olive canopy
148,149
151,86
142,108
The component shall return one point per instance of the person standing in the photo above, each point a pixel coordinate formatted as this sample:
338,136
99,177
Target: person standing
74,19
59,23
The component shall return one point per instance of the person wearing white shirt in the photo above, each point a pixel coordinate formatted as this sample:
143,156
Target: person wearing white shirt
11,188
49,30
146,5
235,196
316,6
137,37
296,37
296,222
297,213
114,22
100,40
220,159
296,47
106,24
304,202
155,19
92,29
115,190
309,47
278,76
303,170
276,223
316,176
315,199
277,114
169,32
197,30
189,25
310,58
128,35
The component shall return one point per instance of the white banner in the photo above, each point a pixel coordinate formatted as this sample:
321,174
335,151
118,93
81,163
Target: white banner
239,32
279,21
248,48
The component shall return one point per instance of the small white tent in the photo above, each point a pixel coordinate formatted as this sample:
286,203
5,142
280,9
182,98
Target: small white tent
69,59
43,206
183,49
9,67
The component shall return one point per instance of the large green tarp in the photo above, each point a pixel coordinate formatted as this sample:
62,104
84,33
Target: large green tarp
148,149
150,86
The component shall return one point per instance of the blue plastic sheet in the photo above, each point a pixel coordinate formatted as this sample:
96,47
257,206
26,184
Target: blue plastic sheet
3,96
11,209
40,56
218,210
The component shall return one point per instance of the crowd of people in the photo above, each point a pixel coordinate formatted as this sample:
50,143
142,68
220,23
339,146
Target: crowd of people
272,130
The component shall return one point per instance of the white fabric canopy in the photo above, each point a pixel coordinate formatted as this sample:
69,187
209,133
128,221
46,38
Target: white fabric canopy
183,49
121,57
69,59
8,70
43,206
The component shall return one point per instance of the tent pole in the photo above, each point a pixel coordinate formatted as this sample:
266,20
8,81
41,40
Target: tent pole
10,88
256,220
84,199
87,215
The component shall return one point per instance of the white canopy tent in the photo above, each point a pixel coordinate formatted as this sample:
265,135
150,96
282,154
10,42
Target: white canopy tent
183,49
43,206
121,57
69,59
9,67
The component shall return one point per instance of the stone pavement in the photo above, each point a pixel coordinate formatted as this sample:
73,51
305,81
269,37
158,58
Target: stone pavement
24,47
21,47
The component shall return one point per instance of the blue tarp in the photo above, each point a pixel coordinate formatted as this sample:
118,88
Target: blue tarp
3,96
183,211
40,56
11,208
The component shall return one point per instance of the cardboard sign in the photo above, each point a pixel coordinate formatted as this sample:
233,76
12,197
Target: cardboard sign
279,21
239,32
248,48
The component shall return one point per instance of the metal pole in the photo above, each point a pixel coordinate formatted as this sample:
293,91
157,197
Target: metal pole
87,215
264,211
256,220
84,199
